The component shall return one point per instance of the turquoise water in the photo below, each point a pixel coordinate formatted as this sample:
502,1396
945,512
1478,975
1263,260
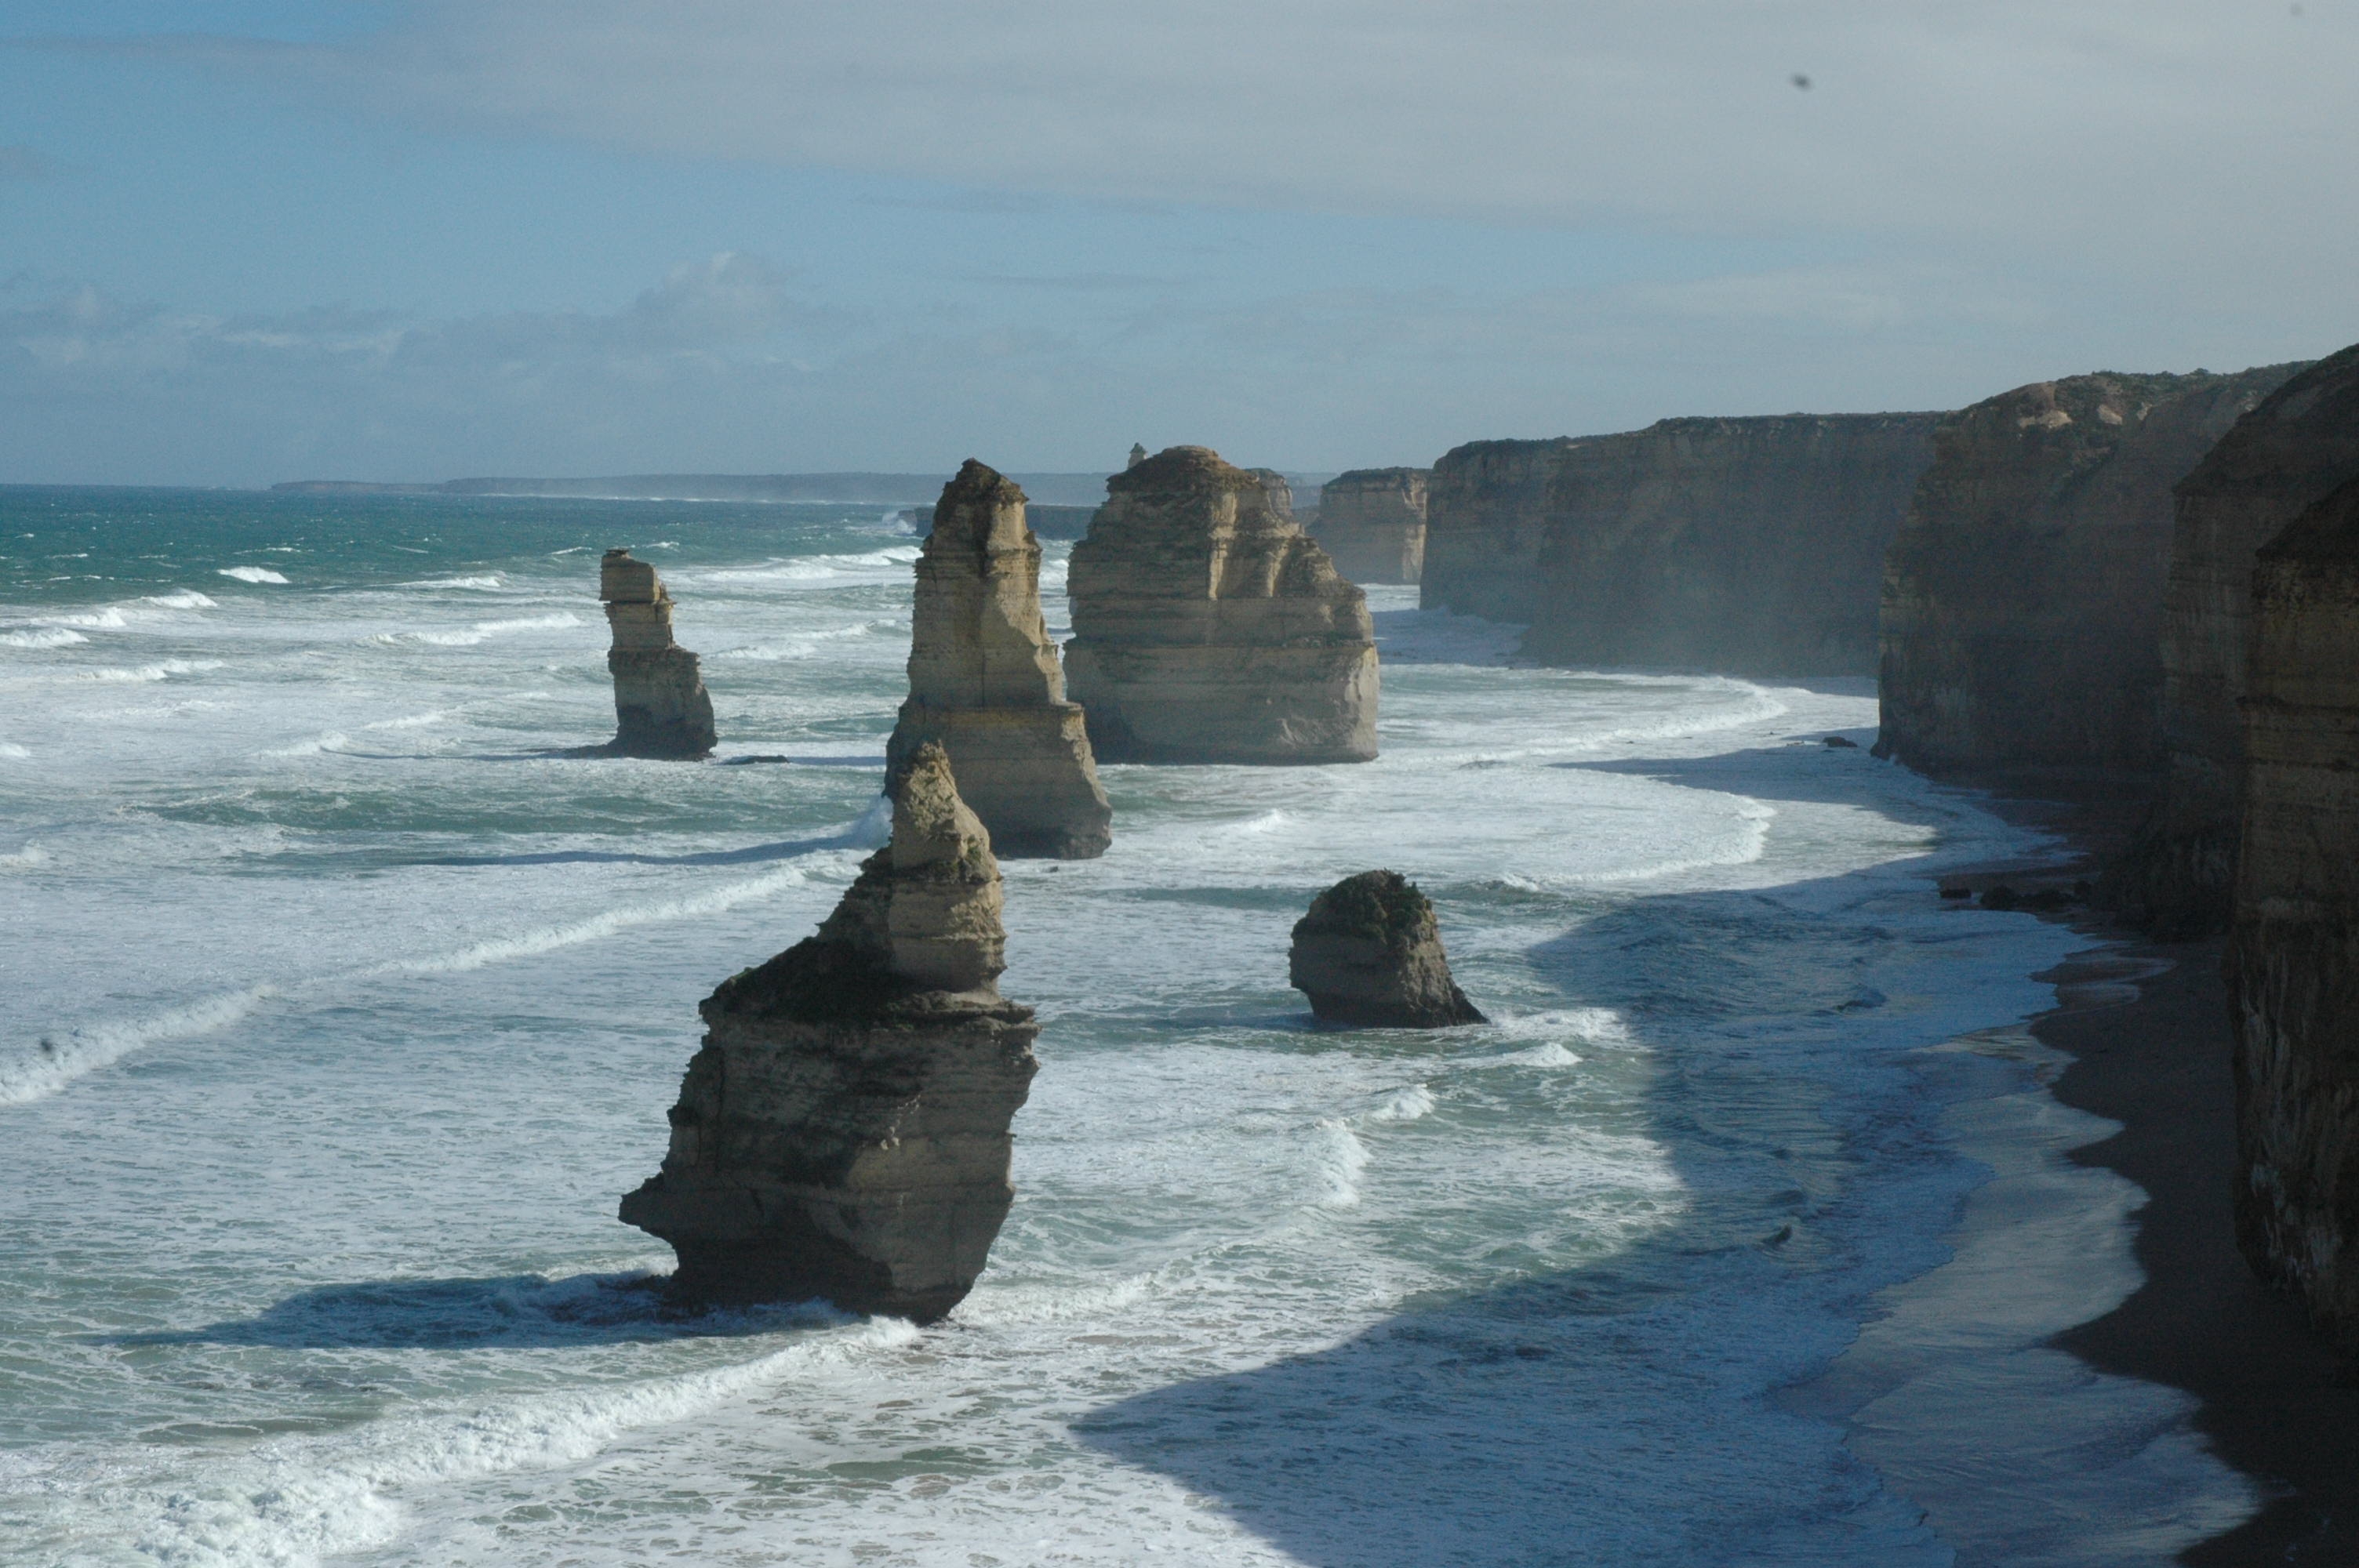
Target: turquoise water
341,1009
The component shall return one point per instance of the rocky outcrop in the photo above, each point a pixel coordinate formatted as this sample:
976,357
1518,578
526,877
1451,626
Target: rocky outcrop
1369,954
984,684
2022,602
844,1132
1743,547
660,705
2289,453
2293,950
1208,628
1487,511
1371,523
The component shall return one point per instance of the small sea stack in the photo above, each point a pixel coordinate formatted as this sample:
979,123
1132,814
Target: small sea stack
2293,946
984,684
1371,523
660,707
1209,628
1369,956
843,1133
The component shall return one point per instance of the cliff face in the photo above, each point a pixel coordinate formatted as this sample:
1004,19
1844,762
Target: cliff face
660,705
844,1132
2293,950
1208,628
984,683
2022,598
1747,547
2300,443
1371,523
1368,955
1487,511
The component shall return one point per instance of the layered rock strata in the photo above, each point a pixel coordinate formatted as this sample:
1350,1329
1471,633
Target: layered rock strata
1369,954
2022,602
1487,513
1371,523
2293,949
844,1131
1743,547
984,683
2299,445
660,707
1208,628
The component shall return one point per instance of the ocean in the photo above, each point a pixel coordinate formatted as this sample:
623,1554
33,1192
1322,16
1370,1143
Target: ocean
340,1012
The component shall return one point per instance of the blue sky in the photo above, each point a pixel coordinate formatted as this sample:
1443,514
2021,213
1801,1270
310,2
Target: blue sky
242,243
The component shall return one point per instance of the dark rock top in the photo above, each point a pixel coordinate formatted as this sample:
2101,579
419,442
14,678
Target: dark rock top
1369,953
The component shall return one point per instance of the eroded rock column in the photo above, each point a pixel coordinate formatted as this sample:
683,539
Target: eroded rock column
1372,523
984,683
660,707
1369,954
843,1133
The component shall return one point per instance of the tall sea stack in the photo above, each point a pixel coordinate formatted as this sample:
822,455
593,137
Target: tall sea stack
660,707
1743,547
1208,628
984,683
2293,949
2299,445
843,1133
2022,604
1371,523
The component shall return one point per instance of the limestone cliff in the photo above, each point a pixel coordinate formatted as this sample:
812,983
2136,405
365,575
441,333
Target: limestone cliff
1208,628
660,705
984,683
1369,954
2300,443
1371,523
2022,597
1744,546
844,1131
2293,950
1486,510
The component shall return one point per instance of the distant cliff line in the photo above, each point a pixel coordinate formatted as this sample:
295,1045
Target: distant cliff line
868,489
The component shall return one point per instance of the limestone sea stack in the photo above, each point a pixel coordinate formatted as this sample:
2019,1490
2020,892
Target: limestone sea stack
2022,602
1209,628
1371,523
2299,445
844,1132
2293,949
660,705
1369,954
984,683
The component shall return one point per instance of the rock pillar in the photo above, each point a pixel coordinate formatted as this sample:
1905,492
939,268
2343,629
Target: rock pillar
1369,954
660,705
1372,523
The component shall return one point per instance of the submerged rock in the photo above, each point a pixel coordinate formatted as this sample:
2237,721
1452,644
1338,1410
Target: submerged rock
1372,522
844,1131
984,683
1369,953
2293,949
1209,628
660,705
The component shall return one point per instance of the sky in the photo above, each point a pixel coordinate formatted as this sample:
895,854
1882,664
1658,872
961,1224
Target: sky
247,240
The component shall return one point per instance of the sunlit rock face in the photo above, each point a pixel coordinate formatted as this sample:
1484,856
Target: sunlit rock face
2022,604
843,1134
1209,628
2297,447
2293,949
984,683
1371,523
1740,547
1368,955
660,707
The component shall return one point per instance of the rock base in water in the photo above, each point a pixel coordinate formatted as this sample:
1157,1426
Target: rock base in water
661,709
844,1133
1369,954
1037,785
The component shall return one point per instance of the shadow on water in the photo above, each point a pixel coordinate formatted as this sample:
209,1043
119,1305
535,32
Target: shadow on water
1618,1412
517,1312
